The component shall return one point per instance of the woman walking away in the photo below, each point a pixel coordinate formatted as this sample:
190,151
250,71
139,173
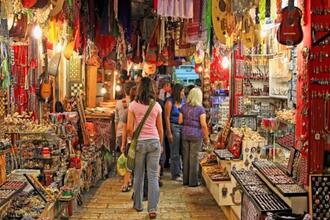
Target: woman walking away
148,147
121,111
126,140
194,131
173,128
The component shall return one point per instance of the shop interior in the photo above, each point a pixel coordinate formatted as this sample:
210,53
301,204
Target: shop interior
263,67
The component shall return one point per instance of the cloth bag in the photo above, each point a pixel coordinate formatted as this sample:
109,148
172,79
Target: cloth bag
131,152
121,162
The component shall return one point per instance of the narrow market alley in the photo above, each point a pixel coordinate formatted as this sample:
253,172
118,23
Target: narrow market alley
176,202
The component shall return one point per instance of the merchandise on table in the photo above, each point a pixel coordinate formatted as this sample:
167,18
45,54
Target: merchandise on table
25,205
319,196
223,154
23,124
264,198
217,173
208,160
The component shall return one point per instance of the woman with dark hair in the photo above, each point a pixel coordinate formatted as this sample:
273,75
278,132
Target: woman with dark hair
126,140
121,111
173,128
148,148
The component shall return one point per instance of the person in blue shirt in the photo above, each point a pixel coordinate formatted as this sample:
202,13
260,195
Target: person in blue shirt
173,129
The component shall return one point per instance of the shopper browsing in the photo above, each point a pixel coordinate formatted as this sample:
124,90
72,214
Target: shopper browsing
121,111
126,140
194,131
173,129
148,147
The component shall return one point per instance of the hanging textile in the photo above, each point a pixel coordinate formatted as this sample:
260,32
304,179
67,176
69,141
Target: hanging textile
182,47
193,26
77,30
176,8
92,19
124,17
208,20
203,27
262,11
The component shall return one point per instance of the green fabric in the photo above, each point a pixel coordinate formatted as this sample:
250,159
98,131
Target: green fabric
5,70
262,11
131,152
208,20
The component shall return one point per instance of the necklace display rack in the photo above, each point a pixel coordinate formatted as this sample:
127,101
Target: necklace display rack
286,185
259,193
318,60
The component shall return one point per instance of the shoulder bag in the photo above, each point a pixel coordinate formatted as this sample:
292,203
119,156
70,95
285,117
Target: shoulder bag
131,152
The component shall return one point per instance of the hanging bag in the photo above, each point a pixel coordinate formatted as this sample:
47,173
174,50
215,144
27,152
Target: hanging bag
131,152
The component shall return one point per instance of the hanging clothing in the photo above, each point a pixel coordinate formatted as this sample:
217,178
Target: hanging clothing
176,8
124,17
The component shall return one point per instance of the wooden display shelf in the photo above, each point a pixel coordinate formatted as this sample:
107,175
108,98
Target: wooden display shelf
216,187
99,116
230,210
48,212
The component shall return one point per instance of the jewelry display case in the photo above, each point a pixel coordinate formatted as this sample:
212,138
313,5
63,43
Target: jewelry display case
319,196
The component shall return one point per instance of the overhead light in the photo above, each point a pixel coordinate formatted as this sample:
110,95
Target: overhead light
37,32
58,47
118,88
103,91
263,33
200,69
225,62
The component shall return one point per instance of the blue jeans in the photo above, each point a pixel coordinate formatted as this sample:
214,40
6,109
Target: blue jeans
147,151
175,150
191,147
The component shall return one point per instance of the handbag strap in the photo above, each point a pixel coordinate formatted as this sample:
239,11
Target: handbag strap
139,128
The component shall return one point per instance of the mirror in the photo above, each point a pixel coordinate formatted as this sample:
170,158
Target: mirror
283,157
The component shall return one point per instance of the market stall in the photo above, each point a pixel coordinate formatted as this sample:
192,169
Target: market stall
262,66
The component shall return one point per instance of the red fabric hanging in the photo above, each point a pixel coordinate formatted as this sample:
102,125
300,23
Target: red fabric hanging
217,72
155,5
104,43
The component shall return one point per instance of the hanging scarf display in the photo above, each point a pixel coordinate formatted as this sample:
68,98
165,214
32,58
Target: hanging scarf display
217,72
176,8
262,11
202,25
4,66
124,17
208,20
77,27
182,47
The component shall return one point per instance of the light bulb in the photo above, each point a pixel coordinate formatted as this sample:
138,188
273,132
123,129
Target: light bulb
115,72
103,91
135,67
58,47
225,62
200,69
263,33
37,32
118,88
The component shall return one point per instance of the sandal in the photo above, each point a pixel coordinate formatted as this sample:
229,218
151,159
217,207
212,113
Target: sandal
126,189
152,215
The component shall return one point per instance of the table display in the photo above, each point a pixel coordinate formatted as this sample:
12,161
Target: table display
284,183
262,197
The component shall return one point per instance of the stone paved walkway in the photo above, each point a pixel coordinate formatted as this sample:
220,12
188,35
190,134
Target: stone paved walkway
176,202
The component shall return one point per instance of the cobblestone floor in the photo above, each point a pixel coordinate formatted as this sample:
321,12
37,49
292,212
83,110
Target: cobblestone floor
176,202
